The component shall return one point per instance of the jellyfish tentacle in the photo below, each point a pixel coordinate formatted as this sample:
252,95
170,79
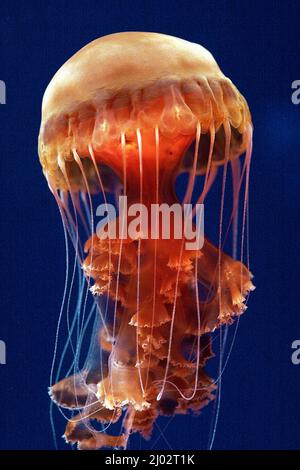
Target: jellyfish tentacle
76,243
91,248
92,155
119,261
78,199
234,218
189,191
140,157
246,194
156,131
222,340
80,339
75,225
211,171
187,199
103,317
53,190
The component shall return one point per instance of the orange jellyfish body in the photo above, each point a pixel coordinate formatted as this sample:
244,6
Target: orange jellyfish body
121,116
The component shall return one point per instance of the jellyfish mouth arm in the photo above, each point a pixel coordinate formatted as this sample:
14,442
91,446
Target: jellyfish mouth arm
76,394
106,407
80,430
72,392
228,291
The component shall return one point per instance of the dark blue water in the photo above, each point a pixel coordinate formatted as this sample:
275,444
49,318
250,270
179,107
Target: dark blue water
257,45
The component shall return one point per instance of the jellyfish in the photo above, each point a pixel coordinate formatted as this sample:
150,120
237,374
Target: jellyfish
128,116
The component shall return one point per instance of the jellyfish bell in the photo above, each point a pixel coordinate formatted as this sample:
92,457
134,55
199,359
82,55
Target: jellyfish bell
122,116
126,82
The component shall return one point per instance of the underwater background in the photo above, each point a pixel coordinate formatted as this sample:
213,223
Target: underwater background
257,44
